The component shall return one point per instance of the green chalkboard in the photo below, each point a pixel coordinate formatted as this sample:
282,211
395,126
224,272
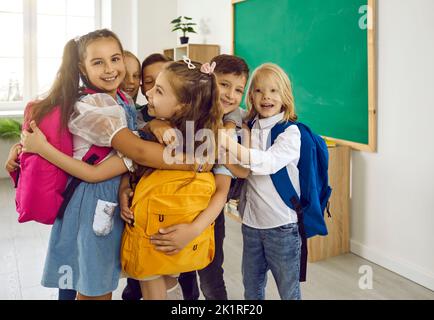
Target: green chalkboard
323,46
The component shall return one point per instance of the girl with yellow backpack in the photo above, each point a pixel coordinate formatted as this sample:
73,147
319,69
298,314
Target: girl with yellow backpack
185,94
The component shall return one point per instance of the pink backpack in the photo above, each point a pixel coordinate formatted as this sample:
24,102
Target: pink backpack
40,186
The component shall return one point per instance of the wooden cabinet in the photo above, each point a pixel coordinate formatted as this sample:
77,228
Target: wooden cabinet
196,52
337,242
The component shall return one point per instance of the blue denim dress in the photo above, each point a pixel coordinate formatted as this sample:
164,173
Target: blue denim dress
84,255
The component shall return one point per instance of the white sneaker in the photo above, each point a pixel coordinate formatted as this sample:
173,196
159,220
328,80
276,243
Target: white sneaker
175,293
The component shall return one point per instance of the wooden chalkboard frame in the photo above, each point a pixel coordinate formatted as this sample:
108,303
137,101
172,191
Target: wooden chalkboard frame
372,79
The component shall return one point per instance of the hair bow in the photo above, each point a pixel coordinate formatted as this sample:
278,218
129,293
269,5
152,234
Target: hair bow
208,68
187,60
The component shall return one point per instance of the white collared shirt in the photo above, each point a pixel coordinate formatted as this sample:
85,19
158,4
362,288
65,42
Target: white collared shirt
260,204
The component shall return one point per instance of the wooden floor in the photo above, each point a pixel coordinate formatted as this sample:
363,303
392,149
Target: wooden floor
23,248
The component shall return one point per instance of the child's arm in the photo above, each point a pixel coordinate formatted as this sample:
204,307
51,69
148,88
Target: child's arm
236,169
286,149
239,151
174,238
125,194
162,130
146,153
37,143
11,165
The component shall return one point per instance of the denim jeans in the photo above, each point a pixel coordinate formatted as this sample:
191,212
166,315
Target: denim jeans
132,290
212,283
67,294
276,249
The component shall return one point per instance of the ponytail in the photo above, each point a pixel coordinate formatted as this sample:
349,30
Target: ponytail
64,91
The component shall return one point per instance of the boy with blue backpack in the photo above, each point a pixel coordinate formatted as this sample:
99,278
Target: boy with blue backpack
284,196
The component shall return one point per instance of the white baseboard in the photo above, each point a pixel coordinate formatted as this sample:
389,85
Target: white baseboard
408,270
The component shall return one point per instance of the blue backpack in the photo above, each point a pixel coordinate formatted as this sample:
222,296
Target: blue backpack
314,188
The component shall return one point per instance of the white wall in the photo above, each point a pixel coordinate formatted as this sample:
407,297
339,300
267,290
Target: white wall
124,22
154,26
216,15
392,204
393,190
154,29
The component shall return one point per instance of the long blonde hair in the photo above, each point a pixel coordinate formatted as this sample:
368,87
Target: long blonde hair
272,72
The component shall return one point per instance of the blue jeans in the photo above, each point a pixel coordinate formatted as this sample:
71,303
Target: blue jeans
67,294
276,249
211,278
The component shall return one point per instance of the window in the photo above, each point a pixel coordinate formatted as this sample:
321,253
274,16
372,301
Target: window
11,51
33,34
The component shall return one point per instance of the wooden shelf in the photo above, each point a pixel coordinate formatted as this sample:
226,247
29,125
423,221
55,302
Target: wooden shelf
196,52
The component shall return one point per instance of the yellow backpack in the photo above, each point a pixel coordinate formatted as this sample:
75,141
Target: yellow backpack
162,199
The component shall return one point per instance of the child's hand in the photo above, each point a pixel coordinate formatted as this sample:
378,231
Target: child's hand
162,130
124,202
173,239
11,164
33,142
223,137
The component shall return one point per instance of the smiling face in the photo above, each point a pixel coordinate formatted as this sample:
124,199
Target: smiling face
131,83
104,65
231,88
162,99
266,97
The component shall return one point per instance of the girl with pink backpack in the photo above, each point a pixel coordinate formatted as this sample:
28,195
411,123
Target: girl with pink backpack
84,247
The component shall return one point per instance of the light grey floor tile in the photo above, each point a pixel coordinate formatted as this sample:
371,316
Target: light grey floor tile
23,249
39,293
8,258
10,288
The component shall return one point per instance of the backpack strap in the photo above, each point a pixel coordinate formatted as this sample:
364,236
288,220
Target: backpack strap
287,193
251,123
122,96
94,155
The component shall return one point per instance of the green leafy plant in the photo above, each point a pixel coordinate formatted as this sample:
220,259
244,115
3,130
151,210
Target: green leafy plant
10,129
183,23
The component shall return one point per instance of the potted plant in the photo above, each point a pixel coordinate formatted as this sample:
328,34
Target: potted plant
10,132
10,129
185,24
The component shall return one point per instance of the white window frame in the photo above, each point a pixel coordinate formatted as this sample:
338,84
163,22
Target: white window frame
29,35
